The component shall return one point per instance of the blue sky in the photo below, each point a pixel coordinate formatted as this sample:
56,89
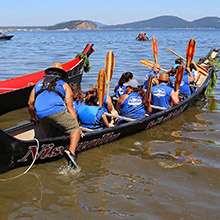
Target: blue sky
49,12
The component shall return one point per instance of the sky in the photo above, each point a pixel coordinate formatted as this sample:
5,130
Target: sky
109,12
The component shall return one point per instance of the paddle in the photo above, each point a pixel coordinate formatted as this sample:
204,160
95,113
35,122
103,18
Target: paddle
179,77
190,51
109,67
154,48
101,85
149,86
150,64
202,70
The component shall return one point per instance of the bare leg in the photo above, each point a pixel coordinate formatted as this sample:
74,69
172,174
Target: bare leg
74,139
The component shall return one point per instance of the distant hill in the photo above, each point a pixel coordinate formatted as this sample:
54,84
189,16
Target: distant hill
169,22
69,25
74,25
162,22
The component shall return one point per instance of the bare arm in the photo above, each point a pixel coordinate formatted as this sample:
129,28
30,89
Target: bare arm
120,101
191,77
31,108
174,97
105,120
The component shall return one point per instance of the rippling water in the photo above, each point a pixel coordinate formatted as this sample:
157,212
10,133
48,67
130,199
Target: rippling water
119,180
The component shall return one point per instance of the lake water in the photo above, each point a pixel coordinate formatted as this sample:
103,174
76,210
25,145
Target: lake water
119,180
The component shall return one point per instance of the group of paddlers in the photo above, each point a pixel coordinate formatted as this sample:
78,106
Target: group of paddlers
142,37
61,108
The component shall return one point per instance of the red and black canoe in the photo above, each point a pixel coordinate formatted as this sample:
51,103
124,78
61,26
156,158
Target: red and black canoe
17,89
20,145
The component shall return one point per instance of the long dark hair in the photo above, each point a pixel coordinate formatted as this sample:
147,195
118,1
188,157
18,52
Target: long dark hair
77,91
145,100
91,97
50,80
125,77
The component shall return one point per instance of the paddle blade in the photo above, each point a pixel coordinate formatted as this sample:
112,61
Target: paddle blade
147,63
109,65
190,51
101,85
154,48
179,77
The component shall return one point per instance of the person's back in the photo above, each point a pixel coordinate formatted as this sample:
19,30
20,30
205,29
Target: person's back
132,107
90,114
133,104
162,94
49,102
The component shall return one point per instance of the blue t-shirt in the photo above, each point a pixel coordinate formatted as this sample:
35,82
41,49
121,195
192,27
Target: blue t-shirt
132,107
161,95
90,116
48,102
147,79
120,90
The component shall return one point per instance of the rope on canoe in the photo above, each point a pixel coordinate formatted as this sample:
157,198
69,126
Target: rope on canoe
15,177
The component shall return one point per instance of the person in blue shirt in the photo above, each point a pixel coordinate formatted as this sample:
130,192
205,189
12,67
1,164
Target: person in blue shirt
155,73
51,102
120,89
90,114
184,89
134,104
162,94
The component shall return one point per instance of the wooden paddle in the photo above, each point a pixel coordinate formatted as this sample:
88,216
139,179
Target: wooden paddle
179,77
202,70
154,48
101,85
190,51
109,67
150,64
149,86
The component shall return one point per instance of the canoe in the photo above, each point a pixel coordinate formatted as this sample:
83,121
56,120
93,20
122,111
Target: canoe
23,144
14,92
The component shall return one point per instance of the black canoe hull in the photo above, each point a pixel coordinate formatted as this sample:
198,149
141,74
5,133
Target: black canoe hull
15,152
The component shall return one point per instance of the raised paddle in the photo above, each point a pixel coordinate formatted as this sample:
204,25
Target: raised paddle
109,67
101,85
190,51
179,77
154,48
202,70
150,64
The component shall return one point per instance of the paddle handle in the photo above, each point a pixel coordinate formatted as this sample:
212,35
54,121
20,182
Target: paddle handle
121,117
176,54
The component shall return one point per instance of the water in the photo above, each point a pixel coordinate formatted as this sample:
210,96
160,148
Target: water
119,180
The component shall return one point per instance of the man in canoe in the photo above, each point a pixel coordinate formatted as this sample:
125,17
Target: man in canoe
134,104
51,102
155,73
162,94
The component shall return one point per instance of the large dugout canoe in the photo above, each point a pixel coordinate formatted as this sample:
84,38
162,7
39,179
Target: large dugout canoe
19,145
14,92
